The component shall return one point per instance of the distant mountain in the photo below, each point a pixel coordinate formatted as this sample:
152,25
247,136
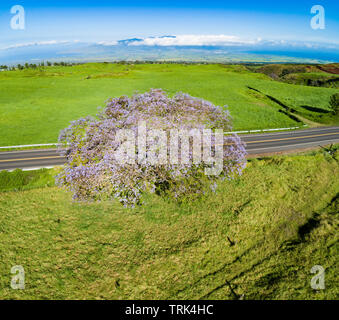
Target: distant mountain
129,41
134,41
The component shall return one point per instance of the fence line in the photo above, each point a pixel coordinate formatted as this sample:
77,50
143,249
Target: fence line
230,132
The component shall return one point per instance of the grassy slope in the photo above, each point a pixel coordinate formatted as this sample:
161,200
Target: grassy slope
25,180
297,96
282,215
35,105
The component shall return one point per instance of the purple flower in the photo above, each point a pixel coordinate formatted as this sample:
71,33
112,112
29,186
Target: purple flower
93,171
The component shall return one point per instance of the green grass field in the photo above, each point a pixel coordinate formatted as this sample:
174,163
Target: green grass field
256,238
36,104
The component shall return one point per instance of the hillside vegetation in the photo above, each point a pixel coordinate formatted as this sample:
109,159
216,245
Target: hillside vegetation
42,101
310,75
256,238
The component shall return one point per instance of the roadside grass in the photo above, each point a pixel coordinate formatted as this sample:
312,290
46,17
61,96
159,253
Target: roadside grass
25,180
28,147
256,238
36,104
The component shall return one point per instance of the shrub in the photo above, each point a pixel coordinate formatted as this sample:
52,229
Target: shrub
334,103
94,171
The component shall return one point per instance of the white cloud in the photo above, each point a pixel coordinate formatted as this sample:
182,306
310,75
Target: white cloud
37,43
187,40
194,40
107,43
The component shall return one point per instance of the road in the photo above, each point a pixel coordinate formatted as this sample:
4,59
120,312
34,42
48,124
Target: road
256,144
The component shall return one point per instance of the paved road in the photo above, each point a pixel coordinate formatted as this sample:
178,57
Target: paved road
256,144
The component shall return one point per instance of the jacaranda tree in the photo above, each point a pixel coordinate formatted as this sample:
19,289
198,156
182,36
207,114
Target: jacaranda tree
150,143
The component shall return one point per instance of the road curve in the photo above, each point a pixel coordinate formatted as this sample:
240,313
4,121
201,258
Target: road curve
256,144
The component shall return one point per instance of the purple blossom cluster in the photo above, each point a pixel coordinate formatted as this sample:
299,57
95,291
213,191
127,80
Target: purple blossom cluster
93,171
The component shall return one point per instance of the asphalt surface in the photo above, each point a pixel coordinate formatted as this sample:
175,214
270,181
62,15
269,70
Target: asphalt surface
256,144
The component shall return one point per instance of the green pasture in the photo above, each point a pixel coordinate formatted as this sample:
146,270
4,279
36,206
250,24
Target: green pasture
35,104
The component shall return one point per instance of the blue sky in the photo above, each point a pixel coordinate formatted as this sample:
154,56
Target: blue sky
104,20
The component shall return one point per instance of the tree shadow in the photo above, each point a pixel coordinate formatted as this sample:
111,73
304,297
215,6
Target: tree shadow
315,109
